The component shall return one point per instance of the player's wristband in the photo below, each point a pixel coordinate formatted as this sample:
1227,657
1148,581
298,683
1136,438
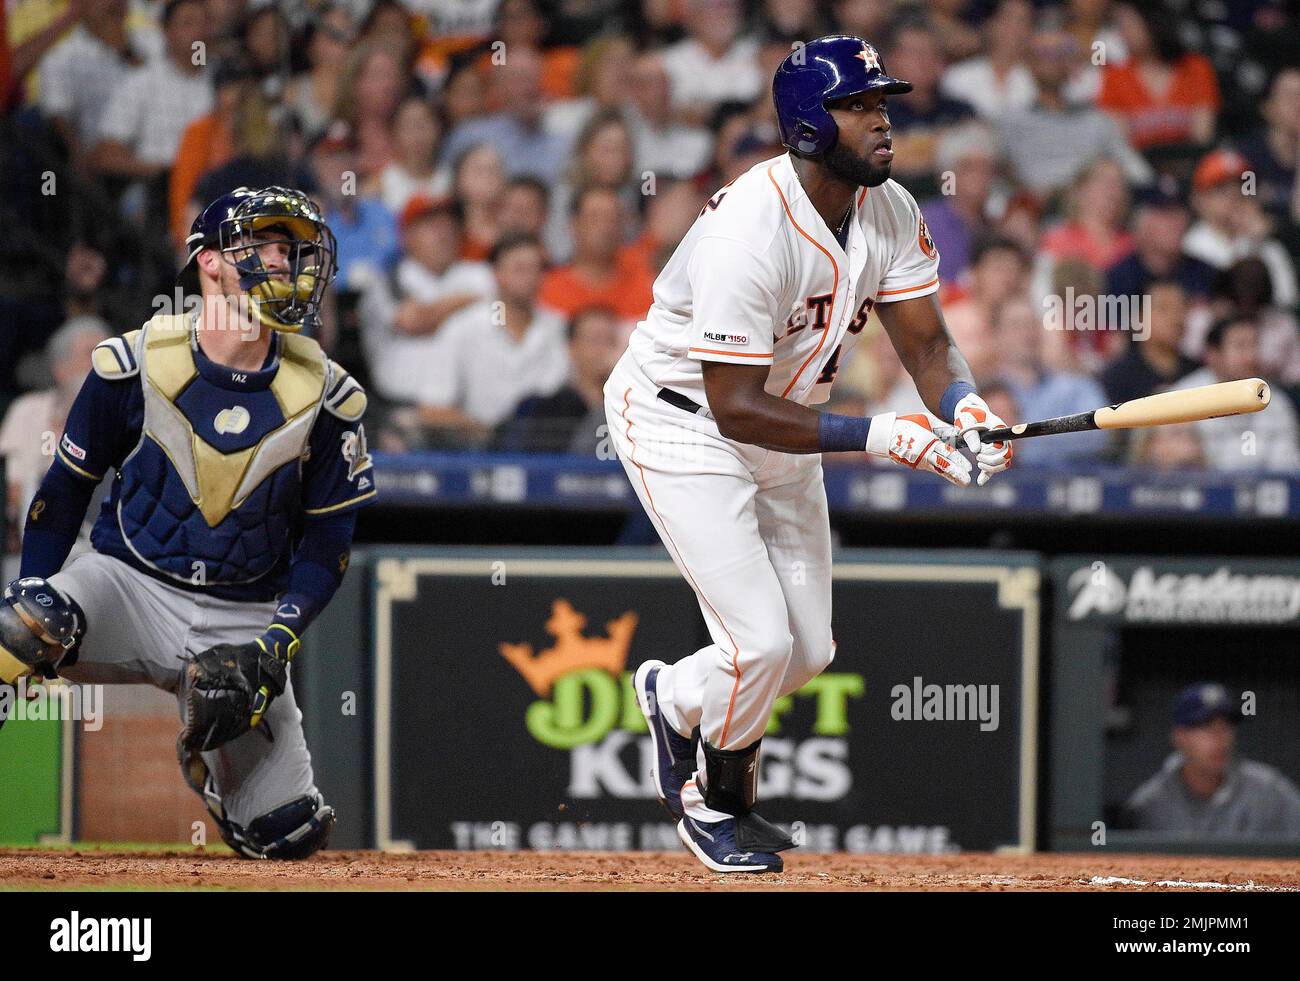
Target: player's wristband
836,434
953,394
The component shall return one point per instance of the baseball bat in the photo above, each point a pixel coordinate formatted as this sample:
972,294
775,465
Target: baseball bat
1190,405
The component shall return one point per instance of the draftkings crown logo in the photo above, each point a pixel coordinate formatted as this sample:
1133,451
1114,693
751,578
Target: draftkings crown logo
581,682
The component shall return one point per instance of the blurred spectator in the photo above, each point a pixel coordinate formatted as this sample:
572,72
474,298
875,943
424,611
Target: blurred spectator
521,26
1265,440
1094,226
1091,23
999,80
602,157
572,418
1273,149
1052,142
312,95
478,181
464,96
25,40
921,117
81,72
670,213
714,63
365,229
961,39
1166,449
1203,788
1159,223
1040,392
387,25
603,271
525,204
966,160
664,146
1162,93
998,273
402,311
266,33
211,140
516,131
603,82
1245,289
1150,365
1231,224
374,82
791,19
151,105
494,354
34,421
413,170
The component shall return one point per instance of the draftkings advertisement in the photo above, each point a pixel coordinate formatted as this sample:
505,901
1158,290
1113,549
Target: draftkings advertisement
509,720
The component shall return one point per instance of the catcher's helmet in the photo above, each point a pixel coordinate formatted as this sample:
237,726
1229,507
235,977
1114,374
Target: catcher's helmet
228,225
813,74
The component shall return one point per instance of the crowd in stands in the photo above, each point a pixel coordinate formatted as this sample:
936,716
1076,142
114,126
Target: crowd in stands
1112,188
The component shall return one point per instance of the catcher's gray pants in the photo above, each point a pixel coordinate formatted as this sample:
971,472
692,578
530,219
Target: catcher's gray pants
137,628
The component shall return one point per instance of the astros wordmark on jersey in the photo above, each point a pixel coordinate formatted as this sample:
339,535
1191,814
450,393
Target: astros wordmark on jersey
760,279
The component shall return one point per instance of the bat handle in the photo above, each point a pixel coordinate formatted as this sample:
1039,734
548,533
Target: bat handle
986,435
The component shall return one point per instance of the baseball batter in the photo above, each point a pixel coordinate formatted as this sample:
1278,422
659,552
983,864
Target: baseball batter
709,410
240,462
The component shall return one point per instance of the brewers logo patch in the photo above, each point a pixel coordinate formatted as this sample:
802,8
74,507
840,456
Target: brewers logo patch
354,452
926,241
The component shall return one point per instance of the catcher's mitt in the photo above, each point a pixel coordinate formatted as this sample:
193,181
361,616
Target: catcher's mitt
225,691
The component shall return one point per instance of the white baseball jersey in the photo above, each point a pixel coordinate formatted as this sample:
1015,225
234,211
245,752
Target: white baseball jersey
761,279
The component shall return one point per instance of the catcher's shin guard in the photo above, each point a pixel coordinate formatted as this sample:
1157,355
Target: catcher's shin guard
40,628
731,786
297,829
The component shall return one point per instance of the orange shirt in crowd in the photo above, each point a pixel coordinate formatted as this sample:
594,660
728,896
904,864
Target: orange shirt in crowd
474,250
629,291
1072,240
206,144
559,65
1160,121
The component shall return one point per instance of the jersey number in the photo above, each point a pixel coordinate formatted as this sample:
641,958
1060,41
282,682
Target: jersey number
717,198
831,369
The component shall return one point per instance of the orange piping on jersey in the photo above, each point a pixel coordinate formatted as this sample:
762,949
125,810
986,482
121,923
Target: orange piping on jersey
908,289
729,354
835,289
735,650
863,196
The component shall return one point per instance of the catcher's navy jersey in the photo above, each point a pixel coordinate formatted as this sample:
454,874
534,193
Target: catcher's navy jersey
216,468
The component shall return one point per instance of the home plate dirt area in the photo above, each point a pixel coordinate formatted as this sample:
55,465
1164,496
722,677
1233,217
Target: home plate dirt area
105,868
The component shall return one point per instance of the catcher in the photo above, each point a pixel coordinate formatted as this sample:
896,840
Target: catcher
240,463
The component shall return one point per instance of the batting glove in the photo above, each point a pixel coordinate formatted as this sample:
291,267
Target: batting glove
972,415
913,442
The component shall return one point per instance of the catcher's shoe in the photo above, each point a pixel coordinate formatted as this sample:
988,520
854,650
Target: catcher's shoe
715,844
674,756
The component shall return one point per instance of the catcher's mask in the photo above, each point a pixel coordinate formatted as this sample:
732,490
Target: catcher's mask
241,223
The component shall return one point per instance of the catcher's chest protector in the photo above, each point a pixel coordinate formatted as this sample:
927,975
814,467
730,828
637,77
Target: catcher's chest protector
215,477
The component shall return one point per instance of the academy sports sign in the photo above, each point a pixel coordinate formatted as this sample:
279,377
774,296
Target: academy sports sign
1183,592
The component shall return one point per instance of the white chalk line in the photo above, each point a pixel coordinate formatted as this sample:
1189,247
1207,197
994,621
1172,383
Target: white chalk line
1248,886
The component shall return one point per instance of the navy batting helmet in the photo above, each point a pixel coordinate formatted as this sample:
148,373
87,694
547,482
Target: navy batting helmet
289,301
818,72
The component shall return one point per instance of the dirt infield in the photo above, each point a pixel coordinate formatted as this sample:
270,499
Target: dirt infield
479,871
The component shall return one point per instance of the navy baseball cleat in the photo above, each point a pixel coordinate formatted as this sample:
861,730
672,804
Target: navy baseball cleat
674,757
714,843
